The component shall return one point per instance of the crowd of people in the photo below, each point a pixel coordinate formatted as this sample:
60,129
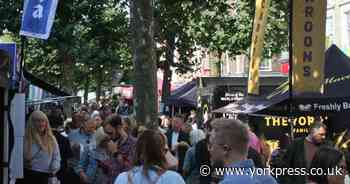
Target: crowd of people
102,146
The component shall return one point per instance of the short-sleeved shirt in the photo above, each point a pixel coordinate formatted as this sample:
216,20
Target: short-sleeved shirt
115,166
191,166
246,176
190,161
137,177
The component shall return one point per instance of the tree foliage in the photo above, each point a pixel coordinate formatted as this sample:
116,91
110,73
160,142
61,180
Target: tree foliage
92,37
221,25
217,25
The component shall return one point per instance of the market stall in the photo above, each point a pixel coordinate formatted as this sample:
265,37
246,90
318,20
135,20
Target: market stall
335,98
183,96
182,99
273,112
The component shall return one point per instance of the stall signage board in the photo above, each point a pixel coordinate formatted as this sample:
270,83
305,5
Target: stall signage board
38,18
301,124
308,45
233,96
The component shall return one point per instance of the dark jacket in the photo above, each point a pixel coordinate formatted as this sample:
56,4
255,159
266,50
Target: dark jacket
294,157
66,153
202,157
181,150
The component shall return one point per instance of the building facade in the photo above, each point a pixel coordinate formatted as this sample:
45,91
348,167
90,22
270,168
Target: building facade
230,66
338,24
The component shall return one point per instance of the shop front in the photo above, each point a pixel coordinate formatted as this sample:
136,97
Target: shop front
281,116
218,92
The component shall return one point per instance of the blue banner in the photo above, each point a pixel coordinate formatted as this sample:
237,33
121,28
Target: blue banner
10,49
38,17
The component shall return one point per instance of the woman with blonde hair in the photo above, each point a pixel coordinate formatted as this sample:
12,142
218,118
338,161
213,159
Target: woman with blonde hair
41,153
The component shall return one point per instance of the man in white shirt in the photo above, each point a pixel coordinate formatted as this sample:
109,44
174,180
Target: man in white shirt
178,140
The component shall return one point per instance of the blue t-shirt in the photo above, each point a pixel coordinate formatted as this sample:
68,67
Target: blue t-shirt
191,166
246,176
137,177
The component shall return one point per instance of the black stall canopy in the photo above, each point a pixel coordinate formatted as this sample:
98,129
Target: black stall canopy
270,113
184,96
335,99
43,85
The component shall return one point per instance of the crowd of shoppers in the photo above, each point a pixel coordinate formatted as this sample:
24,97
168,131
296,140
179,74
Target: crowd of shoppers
101,147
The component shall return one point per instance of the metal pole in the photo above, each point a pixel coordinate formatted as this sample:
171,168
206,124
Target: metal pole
291,68
22,63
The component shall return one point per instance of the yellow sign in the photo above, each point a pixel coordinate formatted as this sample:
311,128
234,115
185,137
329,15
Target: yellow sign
283,121
301,124
308,43
256,48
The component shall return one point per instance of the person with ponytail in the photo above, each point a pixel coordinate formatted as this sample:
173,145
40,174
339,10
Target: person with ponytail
41,152
150,163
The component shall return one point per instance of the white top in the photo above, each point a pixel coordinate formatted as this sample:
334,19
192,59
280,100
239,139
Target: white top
137,177
194,126
196,136
95,113
174,139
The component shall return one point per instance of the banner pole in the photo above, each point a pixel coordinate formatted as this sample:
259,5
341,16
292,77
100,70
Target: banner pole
22,63
291,67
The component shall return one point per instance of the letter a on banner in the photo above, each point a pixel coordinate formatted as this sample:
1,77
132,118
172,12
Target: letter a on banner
261,11
38,17
308,45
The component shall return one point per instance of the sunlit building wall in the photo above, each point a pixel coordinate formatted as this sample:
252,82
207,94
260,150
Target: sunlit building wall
338,24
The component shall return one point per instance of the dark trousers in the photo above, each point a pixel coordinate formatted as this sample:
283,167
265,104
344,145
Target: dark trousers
71,177
34,177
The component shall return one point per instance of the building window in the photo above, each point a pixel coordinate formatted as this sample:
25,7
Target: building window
266,65
329,31
240,64
348,26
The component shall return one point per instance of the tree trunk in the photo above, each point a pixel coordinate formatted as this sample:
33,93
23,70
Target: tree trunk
86,89
219,64
68,73
215,64
67,84
145,94
166,88
98,86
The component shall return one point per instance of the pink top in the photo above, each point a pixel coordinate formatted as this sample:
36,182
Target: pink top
254,142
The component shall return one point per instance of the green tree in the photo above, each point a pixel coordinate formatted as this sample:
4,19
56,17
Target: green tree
172,21
227,26
217,25
89,39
